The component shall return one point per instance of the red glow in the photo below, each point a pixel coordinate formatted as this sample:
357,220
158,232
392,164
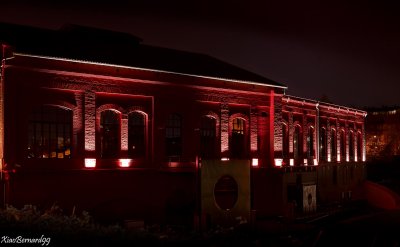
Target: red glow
90,163
254,162
315,162
291,162
224,159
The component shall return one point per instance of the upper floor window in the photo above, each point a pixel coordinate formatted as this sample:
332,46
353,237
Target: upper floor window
137,135
310,142
333,145
297,142
351,145
285,141
342,146
322,144
359,146
173,136
238,139
110,134
50,132
208,140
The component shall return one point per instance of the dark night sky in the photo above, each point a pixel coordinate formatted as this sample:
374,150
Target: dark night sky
347,51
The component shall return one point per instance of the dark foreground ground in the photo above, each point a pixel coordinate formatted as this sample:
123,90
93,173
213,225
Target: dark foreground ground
352,225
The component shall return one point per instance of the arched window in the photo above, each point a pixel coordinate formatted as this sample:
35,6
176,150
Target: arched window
351,146
50,132
238,139
333,145
310,142
342,146
208,140
110,134
322,144
285,141
137,135
173,136
297,142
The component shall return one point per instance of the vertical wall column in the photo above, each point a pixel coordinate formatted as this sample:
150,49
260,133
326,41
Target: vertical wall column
276,104
124,135
291,133
305,133
90,124
337,141
77,124
253,132
224,129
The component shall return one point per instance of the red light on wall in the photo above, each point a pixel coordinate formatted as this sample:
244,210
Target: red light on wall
291,162
124,162
315,162
305,161
224,159
254,162
278,162
90,163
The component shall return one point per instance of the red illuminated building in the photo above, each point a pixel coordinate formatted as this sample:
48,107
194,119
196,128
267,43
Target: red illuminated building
97,120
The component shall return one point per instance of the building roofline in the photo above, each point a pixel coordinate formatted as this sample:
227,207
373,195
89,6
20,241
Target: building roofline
146,69
321,103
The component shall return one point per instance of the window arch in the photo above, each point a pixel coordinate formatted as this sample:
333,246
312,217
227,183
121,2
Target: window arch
297,142
50,132
137,132
110,133
322,144
333,146
173,136
238,138
208,137
285,140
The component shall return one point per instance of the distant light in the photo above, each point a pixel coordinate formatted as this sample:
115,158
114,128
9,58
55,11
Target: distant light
90,163
254,162
291,162
173,164
315,162
124,162
355,158
278,162
305,161
224,159
329,158
338,157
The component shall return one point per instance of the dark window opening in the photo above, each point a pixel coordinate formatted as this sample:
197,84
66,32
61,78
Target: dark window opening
136,135
50,133
342,146
351,146
359,146
238,139
285,141
333,145
173,136
297,142
208,141
310,143
322,144
110,129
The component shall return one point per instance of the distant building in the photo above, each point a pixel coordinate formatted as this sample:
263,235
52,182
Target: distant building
97,120
383,133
